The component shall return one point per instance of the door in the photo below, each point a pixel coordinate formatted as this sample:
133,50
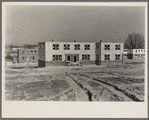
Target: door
72,57
68,58
75,58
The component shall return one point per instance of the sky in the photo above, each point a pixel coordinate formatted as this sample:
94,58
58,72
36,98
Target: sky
29,24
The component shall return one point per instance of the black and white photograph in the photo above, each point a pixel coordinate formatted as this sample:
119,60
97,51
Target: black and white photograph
74,53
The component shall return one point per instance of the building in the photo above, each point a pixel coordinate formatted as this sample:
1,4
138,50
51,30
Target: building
59,53
134,53
27,55
107,52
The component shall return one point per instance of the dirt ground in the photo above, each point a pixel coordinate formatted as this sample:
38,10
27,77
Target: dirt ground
123,82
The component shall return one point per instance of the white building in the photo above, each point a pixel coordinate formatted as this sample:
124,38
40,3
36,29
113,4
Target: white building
134,53
58,53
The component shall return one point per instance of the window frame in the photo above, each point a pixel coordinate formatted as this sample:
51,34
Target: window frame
55,46
86,57
57,57
117,47
75,48
107,48
66,46
117,57
87,47
106,57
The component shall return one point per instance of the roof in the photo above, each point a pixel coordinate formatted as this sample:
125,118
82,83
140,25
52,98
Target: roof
80,42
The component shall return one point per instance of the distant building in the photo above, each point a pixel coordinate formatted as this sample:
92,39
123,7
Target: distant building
27,55
134,53
59,53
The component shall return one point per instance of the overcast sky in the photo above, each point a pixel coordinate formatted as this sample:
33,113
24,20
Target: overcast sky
33,24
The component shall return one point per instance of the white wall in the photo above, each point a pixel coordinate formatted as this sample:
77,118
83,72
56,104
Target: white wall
112,52
50,52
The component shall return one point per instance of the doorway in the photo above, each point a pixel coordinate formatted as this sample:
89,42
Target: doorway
72,57
75,58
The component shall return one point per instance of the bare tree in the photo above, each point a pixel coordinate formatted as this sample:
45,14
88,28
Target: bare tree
134,41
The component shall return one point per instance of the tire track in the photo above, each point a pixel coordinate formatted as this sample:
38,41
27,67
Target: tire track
103,93
128,94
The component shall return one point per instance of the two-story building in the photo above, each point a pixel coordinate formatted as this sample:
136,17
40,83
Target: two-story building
107,52
27,55
59,53
134,53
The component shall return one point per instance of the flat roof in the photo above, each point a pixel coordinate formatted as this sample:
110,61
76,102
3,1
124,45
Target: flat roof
82,42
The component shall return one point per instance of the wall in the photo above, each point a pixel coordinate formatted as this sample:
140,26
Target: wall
41,50
50,52
112,52
28,55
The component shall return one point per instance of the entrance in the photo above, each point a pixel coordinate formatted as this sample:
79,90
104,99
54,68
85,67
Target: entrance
68,57
75,58
72,57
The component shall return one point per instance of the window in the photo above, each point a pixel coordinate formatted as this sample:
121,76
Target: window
141,50
117,47
33,58
136,55
77,47
117,57
66,47
35,51
107,57
22,58
107,47
55,46
31,51
57,57
86,57
136,50
87,47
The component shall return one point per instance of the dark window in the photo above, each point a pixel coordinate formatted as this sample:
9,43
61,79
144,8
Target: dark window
33,57
31,51
86,57
107,57
66,47
136,55
117,47
117,57
107,47
136,50
35,51
57,57
77,47
55,46
87,47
